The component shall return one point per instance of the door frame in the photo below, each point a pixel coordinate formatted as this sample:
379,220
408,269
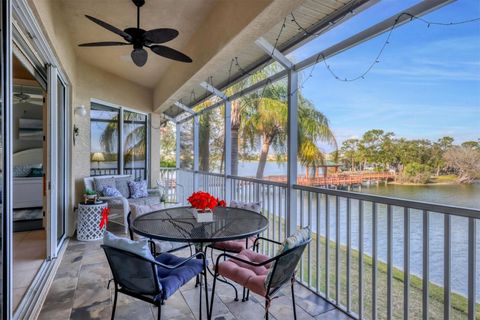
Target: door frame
26,34
7,199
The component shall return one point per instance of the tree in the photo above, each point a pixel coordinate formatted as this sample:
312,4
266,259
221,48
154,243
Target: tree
465,161
167,145
438,150
472,144
350,153
267,118
134,143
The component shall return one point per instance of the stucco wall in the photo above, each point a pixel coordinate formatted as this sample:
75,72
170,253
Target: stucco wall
87,83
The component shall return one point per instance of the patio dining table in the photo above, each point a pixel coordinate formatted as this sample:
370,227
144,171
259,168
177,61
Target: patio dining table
178,224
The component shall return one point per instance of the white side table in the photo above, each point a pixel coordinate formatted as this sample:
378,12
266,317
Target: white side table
88,221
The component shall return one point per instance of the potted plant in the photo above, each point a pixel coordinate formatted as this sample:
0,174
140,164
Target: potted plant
90,196
203,204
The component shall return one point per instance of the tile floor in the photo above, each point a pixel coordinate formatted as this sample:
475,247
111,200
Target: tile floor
79,291
29,252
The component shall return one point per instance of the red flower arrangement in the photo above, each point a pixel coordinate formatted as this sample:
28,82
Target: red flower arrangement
203,200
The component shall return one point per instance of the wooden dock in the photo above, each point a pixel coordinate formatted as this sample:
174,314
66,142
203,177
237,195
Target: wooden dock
339,179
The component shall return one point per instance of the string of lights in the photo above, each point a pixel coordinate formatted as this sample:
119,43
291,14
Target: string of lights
321,58
369,68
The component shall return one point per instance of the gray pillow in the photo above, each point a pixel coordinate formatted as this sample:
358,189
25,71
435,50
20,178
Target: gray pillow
121,183
139,247
101,183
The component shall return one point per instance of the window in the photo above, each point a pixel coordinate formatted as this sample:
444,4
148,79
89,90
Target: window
118,148
135,144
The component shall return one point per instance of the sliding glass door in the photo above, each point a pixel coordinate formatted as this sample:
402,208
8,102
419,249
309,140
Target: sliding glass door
56,146
62,137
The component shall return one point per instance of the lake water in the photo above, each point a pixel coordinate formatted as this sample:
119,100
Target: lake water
453,195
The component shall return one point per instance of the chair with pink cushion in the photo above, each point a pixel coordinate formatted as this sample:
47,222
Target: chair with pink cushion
236,246
261,274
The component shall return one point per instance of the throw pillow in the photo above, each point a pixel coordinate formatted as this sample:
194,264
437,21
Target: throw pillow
140,247
299,237
138,189
121,183
22,170
109,191
252,206
102,182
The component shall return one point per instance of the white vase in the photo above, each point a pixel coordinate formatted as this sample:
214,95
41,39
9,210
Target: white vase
202,216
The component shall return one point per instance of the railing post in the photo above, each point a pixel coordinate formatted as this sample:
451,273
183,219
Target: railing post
228,151
292,151
196,146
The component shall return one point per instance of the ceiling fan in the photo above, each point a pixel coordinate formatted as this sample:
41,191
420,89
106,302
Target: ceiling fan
21,97
141,38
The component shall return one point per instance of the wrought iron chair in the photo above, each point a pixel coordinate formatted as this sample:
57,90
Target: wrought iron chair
259,273
236,246
154,281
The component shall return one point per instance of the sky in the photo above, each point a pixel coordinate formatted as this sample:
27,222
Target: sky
426,85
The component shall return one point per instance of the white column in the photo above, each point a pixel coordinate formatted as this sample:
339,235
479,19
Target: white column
196,146
292,151
228,151
177,160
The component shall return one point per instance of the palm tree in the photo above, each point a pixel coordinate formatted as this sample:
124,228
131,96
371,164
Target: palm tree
267,118
135,138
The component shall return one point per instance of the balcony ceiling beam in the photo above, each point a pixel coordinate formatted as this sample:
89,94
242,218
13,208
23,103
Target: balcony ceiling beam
184,107
174,120
274,53
207,86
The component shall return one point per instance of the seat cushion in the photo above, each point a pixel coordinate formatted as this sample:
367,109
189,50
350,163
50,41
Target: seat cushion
146,201
246,275
172,279
235,245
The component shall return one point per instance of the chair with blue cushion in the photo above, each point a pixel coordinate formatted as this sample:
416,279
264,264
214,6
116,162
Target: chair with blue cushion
154,280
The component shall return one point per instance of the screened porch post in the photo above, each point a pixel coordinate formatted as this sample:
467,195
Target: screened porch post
177,159
292,151
228,151
196,146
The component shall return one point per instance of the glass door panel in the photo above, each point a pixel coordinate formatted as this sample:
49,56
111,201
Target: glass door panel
61,160
135,144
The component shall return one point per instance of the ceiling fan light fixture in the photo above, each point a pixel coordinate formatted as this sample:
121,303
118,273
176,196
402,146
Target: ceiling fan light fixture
139,56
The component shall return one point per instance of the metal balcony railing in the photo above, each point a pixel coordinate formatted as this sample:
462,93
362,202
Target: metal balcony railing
374,257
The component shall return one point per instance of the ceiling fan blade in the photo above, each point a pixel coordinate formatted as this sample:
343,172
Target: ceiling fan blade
103,44
160,35
111,28
170,53
139,57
